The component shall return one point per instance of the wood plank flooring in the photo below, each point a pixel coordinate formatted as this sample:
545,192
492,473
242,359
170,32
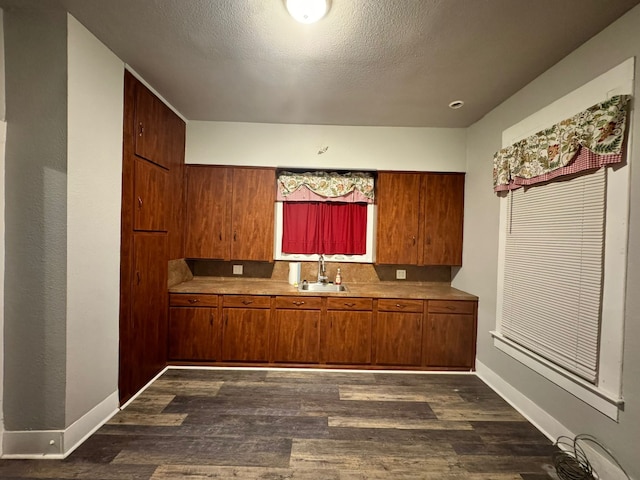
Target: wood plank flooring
307,425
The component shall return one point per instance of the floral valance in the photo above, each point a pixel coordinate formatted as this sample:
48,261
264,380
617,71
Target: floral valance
589,139
326,186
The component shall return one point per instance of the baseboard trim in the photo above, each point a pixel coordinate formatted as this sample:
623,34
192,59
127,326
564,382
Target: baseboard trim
544,422
58,444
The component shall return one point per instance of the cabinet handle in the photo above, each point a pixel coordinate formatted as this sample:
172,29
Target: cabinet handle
429,240
350,305
298,303
140,129
400,306
413,240
211,320
138,278
449,307
220,236
234,236
247,302
193,300
139,202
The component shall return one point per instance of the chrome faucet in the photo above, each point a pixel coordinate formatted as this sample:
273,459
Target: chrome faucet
322,270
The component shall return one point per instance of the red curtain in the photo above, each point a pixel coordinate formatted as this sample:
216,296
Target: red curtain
327,228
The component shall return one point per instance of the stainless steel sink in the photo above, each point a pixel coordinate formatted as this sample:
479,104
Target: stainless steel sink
321,287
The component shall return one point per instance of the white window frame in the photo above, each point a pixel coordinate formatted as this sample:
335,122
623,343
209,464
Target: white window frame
368,257
606,395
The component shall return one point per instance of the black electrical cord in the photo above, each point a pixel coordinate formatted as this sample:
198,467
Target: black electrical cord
571,461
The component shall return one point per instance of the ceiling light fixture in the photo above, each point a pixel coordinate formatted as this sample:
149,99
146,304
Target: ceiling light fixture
456,104
307,11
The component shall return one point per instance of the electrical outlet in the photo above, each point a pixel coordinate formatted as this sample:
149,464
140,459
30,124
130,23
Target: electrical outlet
401,274
237,269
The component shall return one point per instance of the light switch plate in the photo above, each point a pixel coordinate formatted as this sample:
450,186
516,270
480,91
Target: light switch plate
401,274
237,269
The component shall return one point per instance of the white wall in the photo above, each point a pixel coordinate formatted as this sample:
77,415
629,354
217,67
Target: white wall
559,409
94,168
297,146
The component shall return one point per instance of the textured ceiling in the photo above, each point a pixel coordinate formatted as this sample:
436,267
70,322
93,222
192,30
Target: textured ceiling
368,62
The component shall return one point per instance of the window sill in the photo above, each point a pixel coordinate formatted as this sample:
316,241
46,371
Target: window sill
602,401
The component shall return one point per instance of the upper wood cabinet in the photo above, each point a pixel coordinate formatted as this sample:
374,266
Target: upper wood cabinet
151,193
420,218
398,218
443,218
254,194
208,212
153,127
230,213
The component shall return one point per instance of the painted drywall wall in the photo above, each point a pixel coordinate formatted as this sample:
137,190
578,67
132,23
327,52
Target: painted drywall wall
94,168
35,215
346,147
609,48
3,136
2,87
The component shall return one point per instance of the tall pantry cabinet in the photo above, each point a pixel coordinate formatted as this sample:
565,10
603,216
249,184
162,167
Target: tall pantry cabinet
151,231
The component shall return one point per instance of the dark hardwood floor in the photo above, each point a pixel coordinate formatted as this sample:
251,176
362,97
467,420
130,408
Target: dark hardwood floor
307,425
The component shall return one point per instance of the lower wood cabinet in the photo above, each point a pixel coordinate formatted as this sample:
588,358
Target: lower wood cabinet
245,328
399,332
347,331
194,324
450,334
296,330
314,330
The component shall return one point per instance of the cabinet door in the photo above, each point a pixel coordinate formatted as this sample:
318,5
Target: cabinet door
398,197
208,212
146,339
399,338
150,192
245,335
443,219
450,340
153,127
192,334
347,337
297,336
253,203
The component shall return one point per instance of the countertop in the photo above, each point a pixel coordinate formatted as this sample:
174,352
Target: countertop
255,286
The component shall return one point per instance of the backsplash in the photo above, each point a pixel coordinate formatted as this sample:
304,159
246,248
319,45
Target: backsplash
351,272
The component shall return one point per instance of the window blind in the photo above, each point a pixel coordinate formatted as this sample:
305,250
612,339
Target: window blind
554,269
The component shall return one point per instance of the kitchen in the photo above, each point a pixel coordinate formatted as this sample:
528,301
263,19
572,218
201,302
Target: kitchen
77,369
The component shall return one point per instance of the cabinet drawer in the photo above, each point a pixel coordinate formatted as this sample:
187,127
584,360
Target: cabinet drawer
334,303
190,300
246,301
400,305
299,303
448,306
